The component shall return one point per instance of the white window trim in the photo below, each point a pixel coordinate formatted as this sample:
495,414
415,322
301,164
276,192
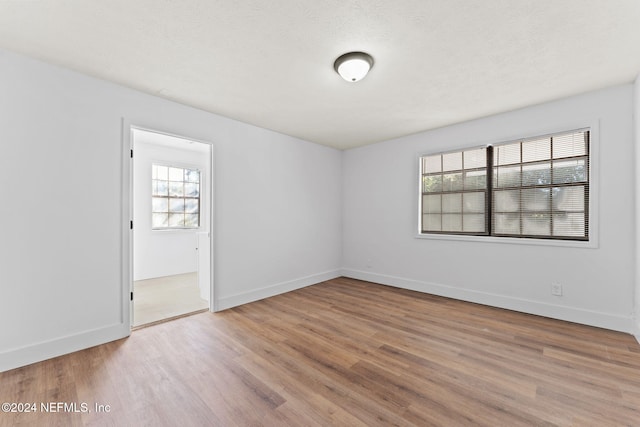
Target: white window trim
594,190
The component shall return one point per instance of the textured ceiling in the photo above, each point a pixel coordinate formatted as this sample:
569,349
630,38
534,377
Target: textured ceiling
270,63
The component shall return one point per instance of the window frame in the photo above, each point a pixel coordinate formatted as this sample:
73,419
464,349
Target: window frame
593,183
462,191
183,166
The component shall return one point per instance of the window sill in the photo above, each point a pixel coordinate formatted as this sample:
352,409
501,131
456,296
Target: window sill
175,230
592,244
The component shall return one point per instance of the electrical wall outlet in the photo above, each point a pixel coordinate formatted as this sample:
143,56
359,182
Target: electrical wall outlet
556,289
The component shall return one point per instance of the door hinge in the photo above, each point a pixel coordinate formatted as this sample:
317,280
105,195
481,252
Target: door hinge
132,154
130,225
131,296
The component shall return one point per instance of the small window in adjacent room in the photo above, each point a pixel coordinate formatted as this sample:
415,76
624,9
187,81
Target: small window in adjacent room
175,201
536,188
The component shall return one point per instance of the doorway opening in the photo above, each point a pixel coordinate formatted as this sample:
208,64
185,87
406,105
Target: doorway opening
171,229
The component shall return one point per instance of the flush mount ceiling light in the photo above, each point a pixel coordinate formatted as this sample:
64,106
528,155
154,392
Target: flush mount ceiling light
353,66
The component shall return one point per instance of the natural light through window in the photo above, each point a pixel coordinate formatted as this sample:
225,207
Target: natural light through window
534,188
175,199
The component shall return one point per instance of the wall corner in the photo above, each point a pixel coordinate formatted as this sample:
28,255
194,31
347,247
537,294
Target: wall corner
636,145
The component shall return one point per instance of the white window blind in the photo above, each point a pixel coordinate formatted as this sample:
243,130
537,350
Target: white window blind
536,188
454,192
541,187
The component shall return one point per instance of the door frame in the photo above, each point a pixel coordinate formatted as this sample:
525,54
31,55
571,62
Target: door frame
127,216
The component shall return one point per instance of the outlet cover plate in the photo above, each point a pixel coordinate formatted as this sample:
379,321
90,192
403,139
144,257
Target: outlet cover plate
556,289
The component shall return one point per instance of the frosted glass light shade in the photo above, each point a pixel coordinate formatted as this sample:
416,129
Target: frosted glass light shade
353,66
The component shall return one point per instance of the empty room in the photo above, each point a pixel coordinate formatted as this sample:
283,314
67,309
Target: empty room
311,213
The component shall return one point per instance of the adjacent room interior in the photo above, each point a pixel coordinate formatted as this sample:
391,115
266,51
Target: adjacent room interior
171,233
381,213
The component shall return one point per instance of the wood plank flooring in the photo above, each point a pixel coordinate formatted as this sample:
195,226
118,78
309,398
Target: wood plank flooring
348,353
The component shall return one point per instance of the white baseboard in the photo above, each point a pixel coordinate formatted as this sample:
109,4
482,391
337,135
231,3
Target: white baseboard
273,290
18,357
587,317
15,358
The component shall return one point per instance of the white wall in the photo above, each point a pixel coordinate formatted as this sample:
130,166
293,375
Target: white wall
636,127
380,220
277,207
159,253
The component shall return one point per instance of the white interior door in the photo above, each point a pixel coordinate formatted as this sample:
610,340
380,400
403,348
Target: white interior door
204,261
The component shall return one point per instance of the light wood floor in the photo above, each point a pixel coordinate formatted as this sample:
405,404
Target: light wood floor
347,353
166,297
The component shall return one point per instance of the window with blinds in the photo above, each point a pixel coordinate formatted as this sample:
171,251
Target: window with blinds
454,192
536,188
